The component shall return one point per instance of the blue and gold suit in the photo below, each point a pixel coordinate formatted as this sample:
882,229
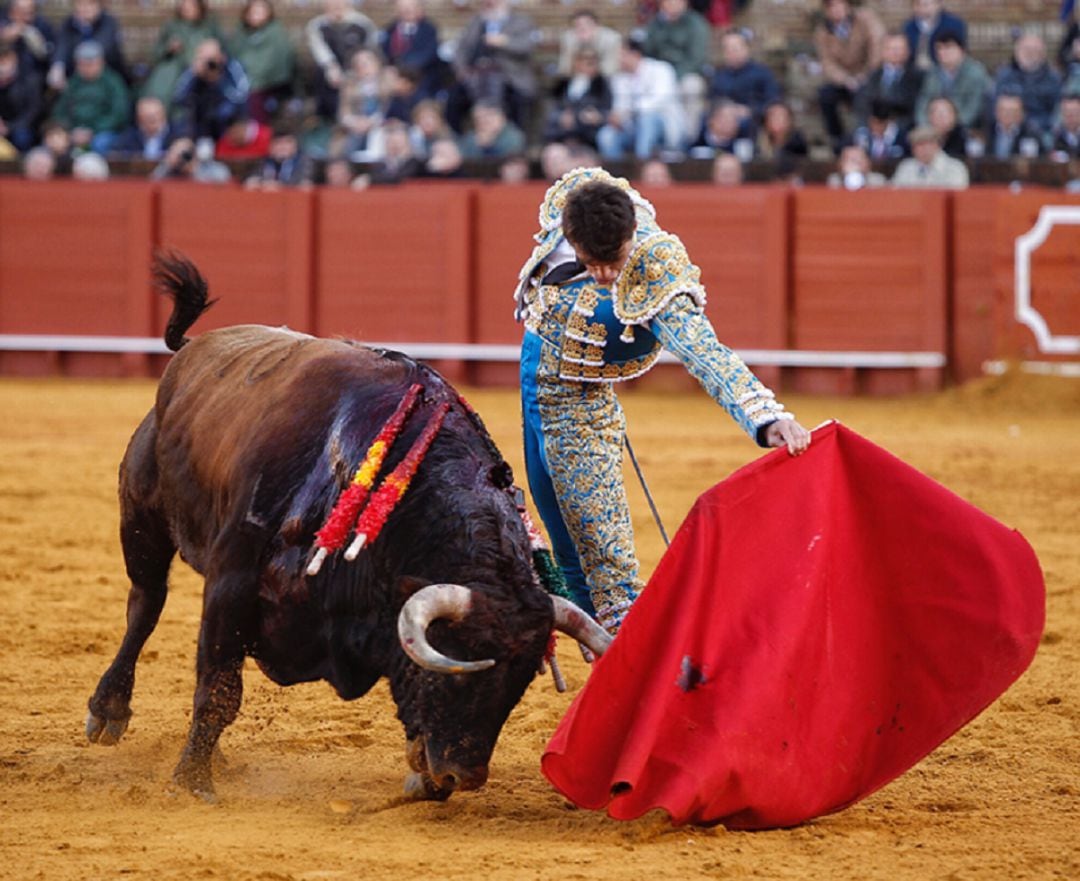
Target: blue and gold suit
580,338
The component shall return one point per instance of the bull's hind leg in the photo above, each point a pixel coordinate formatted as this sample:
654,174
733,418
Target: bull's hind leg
148,552
224,638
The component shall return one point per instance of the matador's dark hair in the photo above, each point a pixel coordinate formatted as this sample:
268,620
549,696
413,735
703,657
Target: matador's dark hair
598,219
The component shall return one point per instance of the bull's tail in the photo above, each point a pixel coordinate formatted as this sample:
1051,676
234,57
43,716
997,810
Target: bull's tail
180,280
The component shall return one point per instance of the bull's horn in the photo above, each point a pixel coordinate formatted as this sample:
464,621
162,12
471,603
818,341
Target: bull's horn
572,621
429,604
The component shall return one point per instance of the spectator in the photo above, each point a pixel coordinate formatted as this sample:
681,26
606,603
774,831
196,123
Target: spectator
90,166
20,99
895,82
742,80
955,76
402,88
581,102
941,117
1030,76
151,135
723,133
557,158
1069,58
928,20
210,94
1010,134
853,171
262,46
30,34
514,169
186,160
57,140
190,24
493,61
245,138
586,32
338,173
1066,134
681,36
727,170
361,104
88,21
655,173
779,137
398,162
285,166
646,114
882,138
444,161
928,165
493,136
428,126
39,164
848,44
94,106
411,41
333,38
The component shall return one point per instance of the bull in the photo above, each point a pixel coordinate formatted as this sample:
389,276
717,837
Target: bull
253,435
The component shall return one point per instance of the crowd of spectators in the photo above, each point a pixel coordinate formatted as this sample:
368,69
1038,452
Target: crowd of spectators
400,101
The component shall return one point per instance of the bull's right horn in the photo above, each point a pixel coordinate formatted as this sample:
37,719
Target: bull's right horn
425,606
572,621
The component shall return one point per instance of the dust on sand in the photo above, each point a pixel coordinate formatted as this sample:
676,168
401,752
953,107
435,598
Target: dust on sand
311,789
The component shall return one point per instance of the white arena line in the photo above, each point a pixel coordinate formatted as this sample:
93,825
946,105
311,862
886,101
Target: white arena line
480,351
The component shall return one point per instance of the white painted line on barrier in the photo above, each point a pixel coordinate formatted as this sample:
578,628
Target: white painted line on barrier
481,352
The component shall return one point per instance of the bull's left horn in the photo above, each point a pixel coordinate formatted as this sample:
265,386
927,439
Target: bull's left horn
572,621
425,606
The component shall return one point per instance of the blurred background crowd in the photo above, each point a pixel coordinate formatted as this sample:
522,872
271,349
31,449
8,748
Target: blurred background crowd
280,93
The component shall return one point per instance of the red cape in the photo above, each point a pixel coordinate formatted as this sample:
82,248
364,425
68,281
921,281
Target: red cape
818,625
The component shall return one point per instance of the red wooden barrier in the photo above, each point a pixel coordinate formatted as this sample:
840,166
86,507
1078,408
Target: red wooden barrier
74,259
869,275
255,249
972,318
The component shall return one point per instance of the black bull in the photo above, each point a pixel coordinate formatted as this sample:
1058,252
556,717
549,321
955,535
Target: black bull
254,433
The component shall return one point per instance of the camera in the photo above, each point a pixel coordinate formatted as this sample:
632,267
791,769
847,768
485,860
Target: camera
213,65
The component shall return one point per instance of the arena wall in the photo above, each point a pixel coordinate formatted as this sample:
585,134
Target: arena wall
792,274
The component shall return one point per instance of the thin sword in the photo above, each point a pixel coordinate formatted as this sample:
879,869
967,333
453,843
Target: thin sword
648,495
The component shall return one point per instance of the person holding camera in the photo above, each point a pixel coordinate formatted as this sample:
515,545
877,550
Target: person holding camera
210,94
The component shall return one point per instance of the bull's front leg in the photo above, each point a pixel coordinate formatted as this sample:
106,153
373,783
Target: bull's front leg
224,637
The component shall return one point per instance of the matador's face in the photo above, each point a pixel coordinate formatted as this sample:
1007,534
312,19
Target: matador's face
604,272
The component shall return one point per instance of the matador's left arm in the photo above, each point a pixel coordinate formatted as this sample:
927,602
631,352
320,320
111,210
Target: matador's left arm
682,329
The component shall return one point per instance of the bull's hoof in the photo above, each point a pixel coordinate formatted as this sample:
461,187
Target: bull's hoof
420,787
106,732
196,780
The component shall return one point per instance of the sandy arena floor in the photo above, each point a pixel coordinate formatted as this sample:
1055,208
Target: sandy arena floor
312,787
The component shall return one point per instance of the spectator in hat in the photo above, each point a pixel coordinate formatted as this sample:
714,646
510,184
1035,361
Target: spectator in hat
928,20
210,94
958,77
928,165
1030,76
94,106
88,21
20,99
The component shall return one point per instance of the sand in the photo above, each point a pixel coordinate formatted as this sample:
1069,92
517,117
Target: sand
312,787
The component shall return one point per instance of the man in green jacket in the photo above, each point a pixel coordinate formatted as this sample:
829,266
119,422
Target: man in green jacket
681,36
958,77
94,105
